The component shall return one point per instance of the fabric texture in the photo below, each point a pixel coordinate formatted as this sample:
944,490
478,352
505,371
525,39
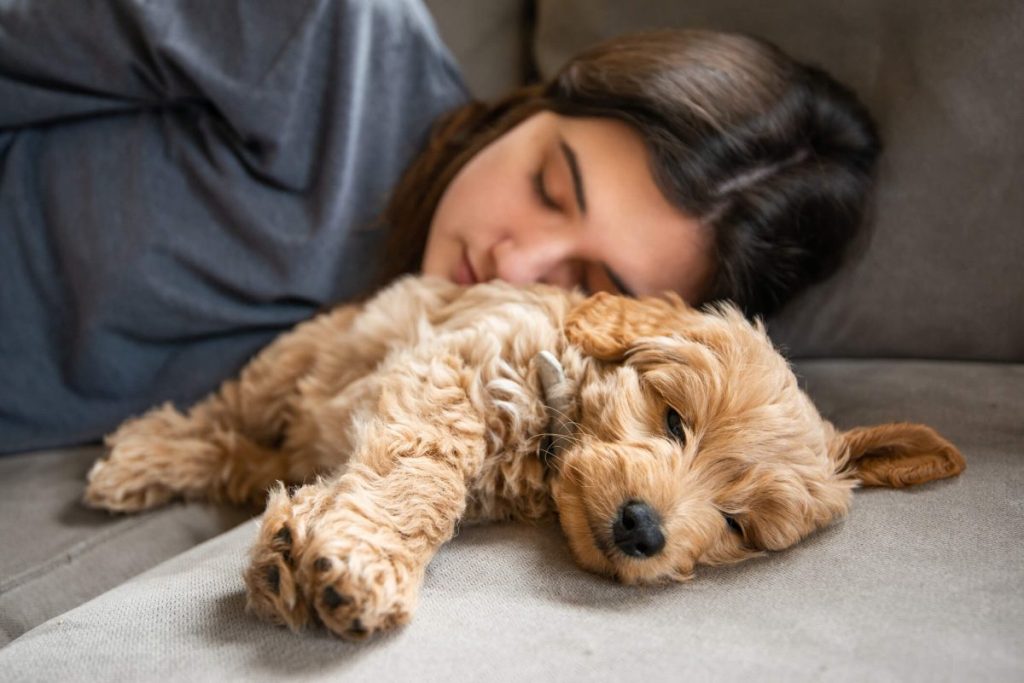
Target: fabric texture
489,40
941,277
60,554
914,585
230,160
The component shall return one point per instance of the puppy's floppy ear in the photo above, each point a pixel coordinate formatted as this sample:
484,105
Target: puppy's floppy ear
606,325
896,455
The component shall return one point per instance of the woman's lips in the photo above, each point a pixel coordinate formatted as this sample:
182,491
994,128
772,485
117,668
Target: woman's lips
464,274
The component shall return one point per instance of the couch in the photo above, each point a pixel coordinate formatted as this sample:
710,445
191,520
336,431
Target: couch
924,323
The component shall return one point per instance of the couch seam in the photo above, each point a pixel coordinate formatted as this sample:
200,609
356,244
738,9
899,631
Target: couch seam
66,557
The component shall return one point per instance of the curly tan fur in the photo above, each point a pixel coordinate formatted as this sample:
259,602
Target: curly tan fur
395,420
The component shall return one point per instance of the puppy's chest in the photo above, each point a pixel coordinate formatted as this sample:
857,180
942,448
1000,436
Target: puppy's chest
512,482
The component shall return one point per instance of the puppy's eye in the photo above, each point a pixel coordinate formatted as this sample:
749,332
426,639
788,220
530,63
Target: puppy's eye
733,524
674,426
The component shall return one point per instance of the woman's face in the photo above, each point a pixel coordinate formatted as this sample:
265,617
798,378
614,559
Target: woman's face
569,202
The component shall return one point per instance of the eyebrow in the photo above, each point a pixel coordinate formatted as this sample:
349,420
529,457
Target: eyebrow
574,169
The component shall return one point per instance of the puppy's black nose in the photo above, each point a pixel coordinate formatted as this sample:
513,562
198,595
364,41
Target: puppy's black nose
637,530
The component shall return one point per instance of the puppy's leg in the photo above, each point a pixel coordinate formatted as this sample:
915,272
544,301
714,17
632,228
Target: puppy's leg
166,454
267,425
351,552
231,446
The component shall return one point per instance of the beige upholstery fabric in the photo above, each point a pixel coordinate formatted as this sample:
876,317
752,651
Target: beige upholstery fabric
942,277
57,554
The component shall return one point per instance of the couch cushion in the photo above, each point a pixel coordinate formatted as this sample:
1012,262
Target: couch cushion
488,39
942,277
915,585
58,554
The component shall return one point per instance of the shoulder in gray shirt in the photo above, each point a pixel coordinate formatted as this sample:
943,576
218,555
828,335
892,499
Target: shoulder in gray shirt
182,181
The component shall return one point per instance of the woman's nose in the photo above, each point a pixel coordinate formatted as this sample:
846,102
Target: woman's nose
550,259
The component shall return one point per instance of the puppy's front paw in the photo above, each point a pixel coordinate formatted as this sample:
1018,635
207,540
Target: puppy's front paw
274,594
314,562
360,586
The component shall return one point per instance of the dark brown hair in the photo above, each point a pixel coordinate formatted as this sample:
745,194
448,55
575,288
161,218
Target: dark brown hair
774,156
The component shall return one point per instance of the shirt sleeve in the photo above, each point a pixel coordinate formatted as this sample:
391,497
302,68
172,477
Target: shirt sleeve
264,69
61,59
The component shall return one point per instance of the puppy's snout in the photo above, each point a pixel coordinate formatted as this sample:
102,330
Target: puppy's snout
637,530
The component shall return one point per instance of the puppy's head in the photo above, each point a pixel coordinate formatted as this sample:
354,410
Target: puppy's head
695,444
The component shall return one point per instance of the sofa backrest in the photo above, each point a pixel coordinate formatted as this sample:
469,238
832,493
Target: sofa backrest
489,39
943,274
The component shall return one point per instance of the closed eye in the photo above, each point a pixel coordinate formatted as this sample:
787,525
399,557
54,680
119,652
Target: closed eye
733,525
541,191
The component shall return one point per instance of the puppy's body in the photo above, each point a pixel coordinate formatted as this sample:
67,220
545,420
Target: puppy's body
684,439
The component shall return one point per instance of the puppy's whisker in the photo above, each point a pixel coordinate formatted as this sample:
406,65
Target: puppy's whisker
577,427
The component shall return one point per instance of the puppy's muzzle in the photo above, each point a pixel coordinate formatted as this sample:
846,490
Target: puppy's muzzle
637,530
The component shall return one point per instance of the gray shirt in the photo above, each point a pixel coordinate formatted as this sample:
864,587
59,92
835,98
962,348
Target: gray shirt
182,181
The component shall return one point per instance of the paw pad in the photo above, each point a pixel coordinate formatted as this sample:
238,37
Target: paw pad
356,630
300,575
273,577
333,599
283,543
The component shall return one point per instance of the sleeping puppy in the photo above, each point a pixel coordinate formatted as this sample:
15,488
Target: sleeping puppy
663,438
